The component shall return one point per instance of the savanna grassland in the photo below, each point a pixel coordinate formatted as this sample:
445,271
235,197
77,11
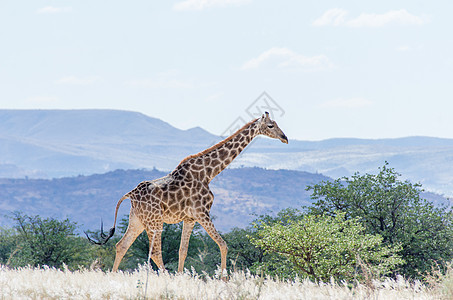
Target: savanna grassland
50,283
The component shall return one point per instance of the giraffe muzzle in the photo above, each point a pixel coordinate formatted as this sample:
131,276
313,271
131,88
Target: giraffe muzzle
284,139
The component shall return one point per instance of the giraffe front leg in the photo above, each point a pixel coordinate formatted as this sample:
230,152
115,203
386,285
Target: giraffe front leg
207,224
155,245
184,246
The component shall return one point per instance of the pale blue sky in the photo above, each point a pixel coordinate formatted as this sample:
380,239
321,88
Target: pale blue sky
368,69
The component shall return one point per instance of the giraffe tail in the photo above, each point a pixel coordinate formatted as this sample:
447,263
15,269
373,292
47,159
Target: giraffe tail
104,237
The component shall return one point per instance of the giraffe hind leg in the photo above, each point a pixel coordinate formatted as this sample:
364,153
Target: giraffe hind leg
134,229
155,244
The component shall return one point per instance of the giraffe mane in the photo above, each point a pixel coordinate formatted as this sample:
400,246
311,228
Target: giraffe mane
221,143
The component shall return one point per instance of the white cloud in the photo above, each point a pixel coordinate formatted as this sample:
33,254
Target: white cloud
337,17
78,81
157,83
334,17
164,80
401,16
53,10
347,103
284,57
203,4
214,97
403,48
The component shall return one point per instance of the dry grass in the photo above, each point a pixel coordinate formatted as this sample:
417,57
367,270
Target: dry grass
440,281
34,283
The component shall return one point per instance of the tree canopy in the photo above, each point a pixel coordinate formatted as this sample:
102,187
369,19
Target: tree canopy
394,209
49,242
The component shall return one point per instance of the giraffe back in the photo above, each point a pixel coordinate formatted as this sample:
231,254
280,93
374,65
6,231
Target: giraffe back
173,198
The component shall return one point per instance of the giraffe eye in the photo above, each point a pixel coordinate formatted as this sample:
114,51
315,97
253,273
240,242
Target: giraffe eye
270,126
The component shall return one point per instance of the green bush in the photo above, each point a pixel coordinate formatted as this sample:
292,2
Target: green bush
47,242
321,247
8,245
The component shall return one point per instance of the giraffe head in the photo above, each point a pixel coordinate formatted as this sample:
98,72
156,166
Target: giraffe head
270,128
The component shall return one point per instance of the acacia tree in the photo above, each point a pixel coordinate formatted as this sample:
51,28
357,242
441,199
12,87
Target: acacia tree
322,247
393,209
8,245
48,242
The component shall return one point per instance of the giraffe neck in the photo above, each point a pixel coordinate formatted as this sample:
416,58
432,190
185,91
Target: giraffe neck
218,159
209,163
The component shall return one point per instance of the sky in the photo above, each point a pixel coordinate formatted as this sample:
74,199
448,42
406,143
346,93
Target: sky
364,69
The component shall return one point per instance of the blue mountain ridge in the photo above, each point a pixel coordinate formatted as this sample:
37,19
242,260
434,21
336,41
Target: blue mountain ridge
61,143
240,195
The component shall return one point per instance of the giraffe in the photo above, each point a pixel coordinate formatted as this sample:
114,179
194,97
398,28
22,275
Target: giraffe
184,195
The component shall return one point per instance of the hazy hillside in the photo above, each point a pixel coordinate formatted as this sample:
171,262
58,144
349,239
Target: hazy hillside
58,143
239,193
420,159
55,143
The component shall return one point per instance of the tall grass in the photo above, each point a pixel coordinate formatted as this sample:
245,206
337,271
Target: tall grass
440,281
49,283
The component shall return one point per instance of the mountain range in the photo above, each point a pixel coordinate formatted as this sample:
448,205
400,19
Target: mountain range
59,143
240,194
